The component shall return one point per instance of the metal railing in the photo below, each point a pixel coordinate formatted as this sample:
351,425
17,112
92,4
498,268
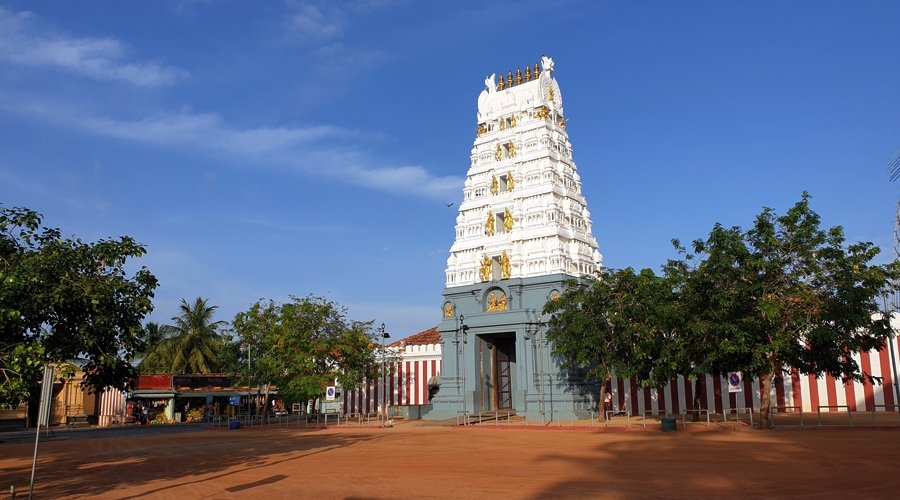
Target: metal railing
737,412
699,412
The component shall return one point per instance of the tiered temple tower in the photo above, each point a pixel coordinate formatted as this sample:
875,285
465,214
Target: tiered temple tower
522,232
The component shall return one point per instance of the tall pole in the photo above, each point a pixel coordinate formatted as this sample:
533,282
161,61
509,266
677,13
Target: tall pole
889,316
384,399
462,353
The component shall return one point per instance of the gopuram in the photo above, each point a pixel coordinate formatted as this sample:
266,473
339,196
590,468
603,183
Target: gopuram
522,232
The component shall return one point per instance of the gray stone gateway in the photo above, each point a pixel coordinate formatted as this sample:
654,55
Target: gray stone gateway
522,232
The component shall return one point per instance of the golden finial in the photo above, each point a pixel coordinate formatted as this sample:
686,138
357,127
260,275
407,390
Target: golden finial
500,85
527,74
518,76
509,79
537,71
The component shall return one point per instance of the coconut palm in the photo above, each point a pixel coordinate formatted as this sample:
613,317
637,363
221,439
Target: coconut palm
194,341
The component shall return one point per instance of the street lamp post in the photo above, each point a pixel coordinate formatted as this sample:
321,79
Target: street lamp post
247,347
464,330
384,405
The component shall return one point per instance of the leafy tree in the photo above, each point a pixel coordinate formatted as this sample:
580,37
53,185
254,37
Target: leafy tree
783,294
192,345
62,299
611,325
305,344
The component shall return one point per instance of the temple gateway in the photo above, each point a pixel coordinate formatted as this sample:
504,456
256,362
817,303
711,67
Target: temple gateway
522,231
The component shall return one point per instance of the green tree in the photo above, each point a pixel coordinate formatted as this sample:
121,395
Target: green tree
783,294
192,344
305,344
63,299
611,325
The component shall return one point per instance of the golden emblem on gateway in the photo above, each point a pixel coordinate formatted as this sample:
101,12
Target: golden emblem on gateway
448,310
497,302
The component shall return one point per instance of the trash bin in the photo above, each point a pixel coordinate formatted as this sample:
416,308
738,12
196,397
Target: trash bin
234,424
669,425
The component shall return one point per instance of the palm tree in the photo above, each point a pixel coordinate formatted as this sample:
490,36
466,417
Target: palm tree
195,339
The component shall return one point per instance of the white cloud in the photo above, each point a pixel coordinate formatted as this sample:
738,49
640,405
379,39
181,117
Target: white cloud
309,22
23,41
320,150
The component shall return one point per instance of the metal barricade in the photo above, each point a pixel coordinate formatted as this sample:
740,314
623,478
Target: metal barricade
664,413
875,408
615,412
737,411
784,409
699,412
819,413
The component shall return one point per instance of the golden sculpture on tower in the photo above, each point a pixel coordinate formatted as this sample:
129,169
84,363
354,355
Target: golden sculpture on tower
510,181
485,270
512,149
550,94
512,121
498,155
496,303
489,226
495,186
507,220
448,310
543,112
504,265
480,130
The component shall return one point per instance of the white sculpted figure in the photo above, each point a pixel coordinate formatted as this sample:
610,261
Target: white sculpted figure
546,64
490,83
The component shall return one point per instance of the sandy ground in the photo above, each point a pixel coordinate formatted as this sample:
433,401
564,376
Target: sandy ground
410,461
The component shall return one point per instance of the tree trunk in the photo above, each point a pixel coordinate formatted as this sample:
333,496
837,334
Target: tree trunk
601,403
698,401
765,400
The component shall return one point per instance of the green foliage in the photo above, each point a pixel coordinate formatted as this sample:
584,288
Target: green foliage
612,324
305,344
785,293
71,298
193,344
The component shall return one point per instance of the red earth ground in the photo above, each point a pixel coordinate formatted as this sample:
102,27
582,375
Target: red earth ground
411,461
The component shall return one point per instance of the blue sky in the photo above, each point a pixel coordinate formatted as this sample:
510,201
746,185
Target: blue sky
268,149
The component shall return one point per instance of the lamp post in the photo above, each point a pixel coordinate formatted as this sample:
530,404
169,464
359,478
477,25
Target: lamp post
247,347
463,331
384,335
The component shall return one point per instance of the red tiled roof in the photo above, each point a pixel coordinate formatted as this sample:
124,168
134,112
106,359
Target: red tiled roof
429,336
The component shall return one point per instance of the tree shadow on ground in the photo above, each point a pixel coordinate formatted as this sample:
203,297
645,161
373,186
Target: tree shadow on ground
100,465
708,464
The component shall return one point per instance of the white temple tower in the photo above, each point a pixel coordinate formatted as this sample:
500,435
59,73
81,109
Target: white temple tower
523,231
522,194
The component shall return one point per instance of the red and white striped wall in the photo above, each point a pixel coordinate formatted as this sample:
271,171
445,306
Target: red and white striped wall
407,383
793,390
112,406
